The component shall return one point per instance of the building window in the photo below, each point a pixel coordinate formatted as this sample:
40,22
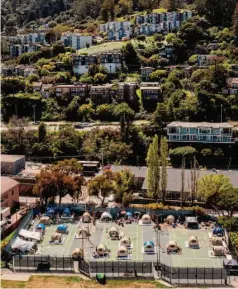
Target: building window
12,192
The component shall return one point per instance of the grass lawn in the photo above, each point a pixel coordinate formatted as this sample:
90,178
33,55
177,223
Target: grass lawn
76,282
104,47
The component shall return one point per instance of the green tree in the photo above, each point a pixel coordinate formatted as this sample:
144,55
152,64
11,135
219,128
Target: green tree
130,56
178,153
86,111
42,132
235,23
164,152
153,163
12,85
58,48
104,112
68,166
228,201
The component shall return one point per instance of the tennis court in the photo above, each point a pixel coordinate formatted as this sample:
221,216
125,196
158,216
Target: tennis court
193,257
45,248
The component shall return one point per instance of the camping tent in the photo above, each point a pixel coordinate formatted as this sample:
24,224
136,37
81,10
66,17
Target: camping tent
149,247
218,231
67,212
218,250
231,264
216,241
172,246
122,252
113,233
40,228
45,220
136,214
36,236
106,217
125,241
170,219
56,237
191,223
146,219
121,235
63,229
22,245
128,215
50,212
77,253
83,233
101,250
193,242
86,218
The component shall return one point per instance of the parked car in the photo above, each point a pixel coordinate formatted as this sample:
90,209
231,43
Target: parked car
78,126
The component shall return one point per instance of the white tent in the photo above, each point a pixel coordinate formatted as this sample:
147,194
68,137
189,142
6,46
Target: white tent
22,245
191,223
170,219
122,252
218,250
106,217
125,241
113,233
193,241
30,235
146,219
86,218
172,246
101,249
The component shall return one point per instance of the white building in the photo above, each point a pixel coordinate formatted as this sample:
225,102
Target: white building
76,40
117,30
204,132
82,62
111,61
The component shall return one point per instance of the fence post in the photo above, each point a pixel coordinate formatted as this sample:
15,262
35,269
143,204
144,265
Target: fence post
204,275
171,272
118,269
63,262
212,274
56,263
126,266
196,275
27,262
178,275
104,266
187,274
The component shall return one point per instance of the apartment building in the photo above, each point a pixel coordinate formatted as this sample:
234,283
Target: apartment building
72,89
111,61
199,132
145,72
117,30
76,40
232,86
150,90
126,91
101,93
9,192
46,89
82,62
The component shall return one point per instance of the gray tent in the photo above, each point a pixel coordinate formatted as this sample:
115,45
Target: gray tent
191,223
230,264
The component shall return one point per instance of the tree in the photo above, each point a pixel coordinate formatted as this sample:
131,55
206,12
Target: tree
51,36
125,184
235,23
228,201
79,183
42,132
125,6
85,111
101,187
58,48
194,179
211,186
100,78
104,112
160,118
130,56
178,153
68,166
153,163
170,5
12,85
163,158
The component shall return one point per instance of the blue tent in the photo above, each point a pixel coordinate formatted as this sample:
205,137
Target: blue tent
40,227
62,228
128,214
149,243
218,231
50,211
67,212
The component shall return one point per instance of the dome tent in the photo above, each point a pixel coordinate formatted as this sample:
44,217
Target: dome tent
216,241
45,220
101,250
67,212
77,254
149,247
125,241
121,235
56,237
40,228
83,233
86,218
193,242
128,215
50,212
218,231
146,219
170,219
63,229
106,217
172,247
218,250
122,252
113,233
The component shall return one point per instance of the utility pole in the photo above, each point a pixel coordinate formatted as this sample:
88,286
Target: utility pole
221,112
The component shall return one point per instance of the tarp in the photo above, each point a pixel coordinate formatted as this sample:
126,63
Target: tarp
50,211
128,214
67,212
22,245
30,234
230,263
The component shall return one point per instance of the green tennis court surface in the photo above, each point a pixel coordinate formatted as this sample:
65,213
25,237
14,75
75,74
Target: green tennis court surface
134,232
45,248
193,257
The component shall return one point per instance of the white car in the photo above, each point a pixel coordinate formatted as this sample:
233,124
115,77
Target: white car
111,198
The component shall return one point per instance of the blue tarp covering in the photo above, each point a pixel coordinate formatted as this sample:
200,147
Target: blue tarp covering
62,228
218,230
149,243
128,214
40,227
50,211
67,212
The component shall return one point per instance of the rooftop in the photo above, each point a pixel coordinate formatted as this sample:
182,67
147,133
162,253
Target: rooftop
11,158
7,184
200,124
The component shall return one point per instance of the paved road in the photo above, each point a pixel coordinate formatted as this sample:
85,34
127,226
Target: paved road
54,126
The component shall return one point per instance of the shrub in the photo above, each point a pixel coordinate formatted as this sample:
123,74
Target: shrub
177,154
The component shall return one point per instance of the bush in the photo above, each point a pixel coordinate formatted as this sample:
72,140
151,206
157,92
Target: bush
206,152
141,38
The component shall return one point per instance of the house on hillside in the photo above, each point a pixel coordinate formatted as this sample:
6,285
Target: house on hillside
117,30
111,61
126,91
76,40
150,90
101,93
145,72
232,86
199,132
80,90
82,62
